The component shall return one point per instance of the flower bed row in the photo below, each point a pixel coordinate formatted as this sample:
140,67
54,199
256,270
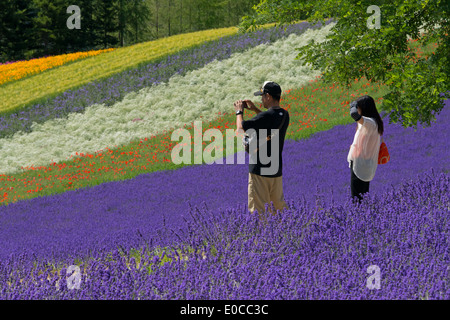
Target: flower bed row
314,169
313,108
27,91
21,69
112,89
393,246
180,101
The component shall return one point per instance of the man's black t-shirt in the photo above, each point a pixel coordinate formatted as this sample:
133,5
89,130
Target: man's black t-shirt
270,119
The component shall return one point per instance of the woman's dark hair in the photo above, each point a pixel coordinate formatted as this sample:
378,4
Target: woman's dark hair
368,109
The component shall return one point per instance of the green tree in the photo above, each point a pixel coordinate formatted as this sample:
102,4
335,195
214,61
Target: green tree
122,20
278,11
17,38
417,85
107,19
207,13
138,21
50,28
88,37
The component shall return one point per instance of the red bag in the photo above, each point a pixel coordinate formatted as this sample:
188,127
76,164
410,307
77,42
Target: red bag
383,155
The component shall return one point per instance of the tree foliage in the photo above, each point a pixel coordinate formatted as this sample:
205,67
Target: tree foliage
278,11
16,29
418,84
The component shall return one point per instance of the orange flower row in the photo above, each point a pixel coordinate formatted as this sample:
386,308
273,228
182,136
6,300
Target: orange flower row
21,69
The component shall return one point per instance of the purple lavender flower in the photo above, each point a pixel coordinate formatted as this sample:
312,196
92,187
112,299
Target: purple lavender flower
321,248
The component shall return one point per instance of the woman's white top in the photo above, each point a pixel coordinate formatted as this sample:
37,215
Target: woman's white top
364,150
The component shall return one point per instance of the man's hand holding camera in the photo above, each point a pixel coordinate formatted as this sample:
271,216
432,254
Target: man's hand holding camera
240,105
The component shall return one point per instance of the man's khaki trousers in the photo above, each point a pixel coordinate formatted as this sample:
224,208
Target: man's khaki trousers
262,190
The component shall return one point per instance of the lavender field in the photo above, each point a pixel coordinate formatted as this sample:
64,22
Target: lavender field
318,249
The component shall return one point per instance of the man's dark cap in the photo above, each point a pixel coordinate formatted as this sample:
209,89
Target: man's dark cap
271,88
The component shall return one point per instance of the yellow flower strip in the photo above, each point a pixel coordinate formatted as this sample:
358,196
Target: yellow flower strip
22,69
32,89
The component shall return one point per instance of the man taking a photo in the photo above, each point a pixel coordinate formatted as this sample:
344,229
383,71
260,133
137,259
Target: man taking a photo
268,128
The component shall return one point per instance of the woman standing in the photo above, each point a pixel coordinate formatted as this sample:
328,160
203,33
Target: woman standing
363,154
